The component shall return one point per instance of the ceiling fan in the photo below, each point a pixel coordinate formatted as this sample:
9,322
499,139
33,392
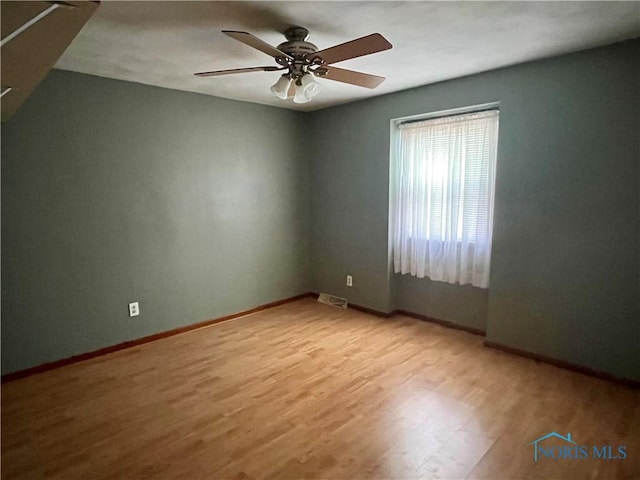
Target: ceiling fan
303,61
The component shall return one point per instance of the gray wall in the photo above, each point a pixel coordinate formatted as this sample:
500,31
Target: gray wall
464,305
114,192
565,281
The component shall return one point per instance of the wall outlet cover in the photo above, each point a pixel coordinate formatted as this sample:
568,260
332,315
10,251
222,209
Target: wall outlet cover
134,309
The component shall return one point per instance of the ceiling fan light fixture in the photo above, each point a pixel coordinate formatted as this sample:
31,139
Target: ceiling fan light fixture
300,96
306,89
281,88
310,87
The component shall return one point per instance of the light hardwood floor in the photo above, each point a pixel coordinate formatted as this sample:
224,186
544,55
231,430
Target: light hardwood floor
308,391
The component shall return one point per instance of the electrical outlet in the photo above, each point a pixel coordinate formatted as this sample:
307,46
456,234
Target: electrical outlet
349,281
134,309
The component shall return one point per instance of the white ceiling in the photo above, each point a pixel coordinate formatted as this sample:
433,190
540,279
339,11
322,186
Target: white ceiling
164,43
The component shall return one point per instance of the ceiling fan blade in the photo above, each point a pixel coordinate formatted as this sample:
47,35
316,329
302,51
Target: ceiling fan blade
256,43
355,48
350,76
230,71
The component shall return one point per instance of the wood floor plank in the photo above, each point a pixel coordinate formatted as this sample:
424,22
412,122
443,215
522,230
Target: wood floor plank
304,390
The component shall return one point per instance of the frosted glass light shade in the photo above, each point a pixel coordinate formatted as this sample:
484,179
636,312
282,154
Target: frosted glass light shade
300,97
310,86
281,88
307,89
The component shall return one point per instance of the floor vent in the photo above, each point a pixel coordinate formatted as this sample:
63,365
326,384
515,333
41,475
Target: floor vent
332,300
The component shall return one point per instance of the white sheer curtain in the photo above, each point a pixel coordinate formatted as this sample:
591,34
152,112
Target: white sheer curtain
442,194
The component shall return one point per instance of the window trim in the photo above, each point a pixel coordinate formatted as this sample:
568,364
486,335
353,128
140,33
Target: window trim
452,112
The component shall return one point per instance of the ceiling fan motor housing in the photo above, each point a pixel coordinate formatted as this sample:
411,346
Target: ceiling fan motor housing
296,44
297,47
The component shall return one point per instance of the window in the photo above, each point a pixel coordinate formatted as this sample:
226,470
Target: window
442,193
